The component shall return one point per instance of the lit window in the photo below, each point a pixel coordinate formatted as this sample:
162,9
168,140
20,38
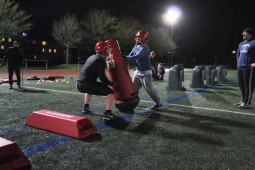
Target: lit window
2,47
9,39
43,50
3,39
55,50
49,50
35,57
44,43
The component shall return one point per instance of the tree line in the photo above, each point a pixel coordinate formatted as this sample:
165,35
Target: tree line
96,25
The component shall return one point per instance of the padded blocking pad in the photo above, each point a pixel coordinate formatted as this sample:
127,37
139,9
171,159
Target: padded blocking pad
5,80
11,157
61,123
33,78
53,77
58,77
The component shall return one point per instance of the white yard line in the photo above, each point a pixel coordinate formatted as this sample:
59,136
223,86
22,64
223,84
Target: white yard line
211,109
147,101
203,108
60,91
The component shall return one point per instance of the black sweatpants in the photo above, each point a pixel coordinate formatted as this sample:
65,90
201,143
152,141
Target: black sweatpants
11,70
246,80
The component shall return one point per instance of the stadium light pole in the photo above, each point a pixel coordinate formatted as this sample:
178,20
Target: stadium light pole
170,17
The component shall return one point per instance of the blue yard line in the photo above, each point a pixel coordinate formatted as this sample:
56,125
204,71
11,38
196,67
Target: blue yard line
17,129
62,139
45,145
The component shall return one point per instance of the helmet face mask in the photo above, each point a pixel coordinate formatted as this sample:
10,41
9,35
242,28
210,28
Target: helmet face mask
141,37
138,40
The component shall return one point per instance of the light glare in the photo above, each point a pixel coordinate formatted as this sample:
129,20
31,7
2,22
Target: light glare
171,16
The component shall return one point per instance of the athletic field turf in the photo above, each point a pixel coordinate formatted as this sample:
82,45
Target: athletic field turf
196,129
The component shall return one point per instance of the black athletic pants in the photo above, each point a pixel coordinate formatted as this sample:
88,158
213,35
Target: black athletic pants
246,80
11,70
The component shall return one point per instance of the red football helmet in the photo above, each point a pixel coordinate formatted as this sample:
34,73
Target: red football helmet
142,36
102,47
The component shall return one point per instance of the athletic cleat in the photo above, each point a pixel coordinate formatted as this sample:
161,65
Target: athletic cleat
157,107
108,116
239,103
243,106
86,111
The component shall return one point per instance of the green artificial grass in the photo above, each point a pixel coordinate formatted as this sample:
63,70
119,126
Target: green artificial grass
200,129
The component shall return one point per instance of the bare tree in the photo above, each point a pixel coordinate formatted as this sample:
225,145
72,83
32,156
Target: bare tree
12,19
102,25
99,25
161,42
125,31
67,32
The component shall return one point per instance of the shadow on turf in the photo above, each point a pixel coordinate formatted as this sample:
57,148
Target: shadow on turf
189,135
149,123
202,91
118,123
223,88
93,138
207,123
30,90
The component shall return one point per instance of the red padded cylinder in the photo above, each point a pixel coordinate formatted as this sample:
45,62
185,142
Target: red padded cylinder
125,91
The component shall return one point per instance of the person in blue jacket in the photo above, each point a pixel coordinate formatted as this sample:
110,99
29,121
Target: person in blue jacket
245,67
143,73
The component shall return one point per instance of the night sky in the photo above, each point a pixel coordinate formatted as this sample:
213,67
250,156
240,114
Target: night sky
206,28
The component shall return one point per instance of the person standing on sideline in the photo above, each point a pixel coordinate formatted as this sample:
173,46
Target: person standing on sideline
160,71
14,57
143,73
245,67
153,66
87,83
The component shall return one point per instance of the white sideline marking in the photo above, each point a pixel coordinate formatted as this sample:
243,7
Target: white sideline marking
203,108
210,109
52,90
147,101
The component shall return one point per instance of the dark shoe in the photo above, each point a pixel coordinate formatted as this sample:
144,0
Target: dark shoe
243,106
19,87
10,87
86,110
157,107
108,116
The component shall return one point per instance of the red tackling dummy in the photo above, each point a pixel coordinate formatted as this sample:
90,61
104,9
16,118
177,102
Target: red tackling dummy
125,95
